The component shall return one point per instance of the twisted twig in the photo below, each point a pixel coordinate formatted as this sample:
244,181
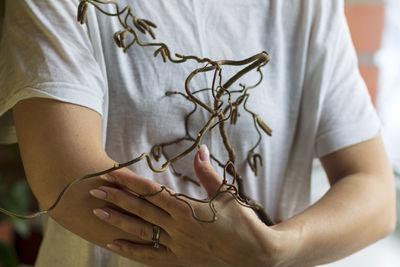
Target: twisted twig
219,114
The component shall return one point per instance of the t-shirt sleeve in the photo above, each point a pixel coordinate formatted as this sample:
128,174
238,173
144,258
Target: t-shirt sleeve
45,52
346,115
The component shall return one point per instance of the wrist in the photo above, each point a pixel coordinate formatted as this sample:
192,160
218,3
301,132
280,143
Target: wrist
288,243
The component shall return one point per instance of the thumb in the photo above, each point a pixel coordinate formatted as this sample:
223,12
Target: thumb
208,177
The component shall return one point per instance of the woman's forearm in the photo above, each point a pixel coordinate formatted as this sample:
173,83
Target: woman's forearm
60,142
357,211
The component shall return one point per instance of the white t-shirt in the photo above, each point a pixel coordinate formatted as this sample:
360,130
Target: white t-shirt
312,94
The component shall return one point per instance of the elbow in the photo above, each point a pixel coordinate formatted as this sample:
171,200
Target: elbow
389,222
392,227
392,223
389,227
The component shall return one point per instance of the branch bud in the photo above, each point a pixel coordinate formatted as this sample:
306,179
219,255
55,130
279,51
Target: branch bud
82,11
263,125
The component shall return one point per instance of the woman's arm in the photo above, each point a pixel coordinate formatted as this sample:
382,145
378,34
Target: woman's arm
61,141
58,143
358,210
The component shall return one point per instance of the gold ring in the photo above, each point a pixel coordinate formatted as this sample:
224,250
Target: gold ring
156,236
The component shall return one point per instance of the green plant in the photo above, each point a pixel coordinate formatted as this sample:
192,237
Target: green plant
18,198
8,257
15,193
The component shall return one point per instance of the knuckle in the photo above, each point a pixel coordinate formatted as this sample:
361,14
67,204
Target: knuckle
119,198
187,212
141,211
116,221
127,227
168,203
207,169
110,193
145,233
154,190
123,182
173,203
184,215
123,224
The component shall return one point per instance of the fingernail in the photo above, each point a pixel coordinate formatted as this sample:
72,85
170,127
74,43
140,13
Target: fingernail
108,178
102,214
113,247
204,153
98,193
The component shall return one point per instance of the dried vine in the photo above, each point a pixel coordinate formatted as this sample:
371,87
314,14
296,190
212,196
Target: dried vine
220,113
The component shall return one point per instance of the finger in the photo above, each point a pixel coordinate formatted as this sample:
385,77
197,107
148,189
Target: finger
208,177
132,204
144,253
132,225
151,191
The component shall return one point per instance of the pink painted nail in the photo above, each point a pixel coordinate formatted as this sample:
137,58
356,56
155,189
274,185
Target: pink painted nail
108,178
102,214
204,153
97,193
113,247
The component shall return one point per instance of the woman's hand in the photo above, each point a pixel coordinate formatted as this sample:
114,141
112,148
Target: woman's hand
237,237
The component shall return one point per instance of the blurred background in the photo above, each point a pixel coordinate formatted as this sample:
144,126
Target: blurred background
375,28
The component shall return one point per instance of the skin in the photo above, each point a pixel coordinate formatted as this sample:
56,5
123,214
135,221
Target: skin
60,141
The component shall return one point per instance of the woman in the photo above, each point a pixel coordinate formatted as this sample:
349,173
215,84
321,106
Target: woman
80,105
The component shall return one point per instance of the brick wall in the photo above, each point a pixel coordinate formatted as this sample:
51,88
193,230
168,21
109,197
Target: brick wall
366,21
